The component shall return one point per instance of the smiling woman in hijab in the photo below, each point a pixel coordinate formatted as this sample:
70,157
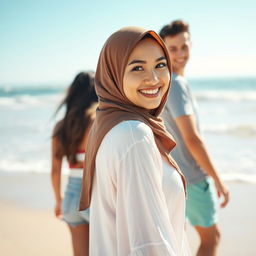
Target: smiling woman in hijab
135,191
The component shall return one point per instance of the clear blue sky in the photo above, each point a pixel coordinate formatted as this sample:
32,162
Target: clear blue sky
49,41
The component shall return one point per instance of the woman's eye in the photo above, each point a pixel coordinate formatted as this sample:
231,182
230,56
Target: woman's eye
161,65
137,68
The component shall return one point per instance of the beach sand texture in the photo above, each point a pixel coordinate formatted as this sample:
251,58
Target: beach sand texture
28,226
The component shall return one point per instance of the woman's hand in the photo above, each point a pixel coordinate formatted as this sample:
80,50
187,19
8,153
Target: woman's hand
57,210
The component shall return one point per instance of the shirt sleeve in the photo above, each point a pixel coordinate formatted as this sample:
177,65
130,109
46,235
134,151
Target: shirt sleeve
179,100
140,189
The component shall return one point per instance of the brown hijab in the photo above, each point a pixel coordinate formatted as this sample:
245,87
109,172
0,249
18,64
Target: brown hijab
114,107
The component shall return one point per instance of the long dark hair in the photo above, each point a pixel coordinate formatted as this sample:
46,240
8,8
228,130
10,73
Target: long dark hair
80,98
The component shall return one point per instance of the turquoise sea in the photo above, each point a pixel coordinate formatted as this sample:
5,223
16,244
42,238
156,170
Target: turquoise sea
227,110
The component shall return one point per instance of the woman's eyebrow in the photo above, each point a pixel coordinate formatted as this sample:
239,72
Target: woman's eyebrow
161,58
143,61
137,61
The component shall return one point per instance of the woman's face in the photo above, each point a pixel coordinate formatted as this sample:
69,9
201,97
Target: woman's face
146,76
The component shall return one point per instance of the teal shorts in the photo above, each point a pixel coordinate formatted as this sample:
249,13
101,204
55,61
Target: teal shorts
202,203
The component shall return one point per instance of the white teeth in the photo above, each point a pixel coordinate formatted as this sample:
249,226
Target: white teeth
150,91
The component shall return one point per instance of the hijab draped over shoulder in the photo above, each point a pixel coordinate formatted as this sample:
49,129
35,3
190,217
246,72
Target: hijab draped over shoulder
114,107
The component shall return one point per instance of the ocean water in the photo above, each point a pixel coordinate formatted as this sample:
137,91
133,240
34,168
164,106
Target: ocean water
227,111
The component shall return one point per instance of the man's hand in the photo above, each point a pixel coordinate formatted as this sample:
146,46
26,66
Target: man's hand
222,191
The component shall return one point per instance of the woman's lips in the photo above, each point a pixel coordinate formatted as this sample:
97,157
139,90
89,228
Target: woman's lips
150,93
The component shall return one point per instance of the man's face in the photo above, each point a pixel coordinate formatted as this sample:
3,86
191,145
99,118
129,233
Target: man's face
179,49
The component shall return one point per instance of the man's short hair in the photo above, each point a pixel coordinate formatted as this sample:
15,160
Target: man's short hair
174,28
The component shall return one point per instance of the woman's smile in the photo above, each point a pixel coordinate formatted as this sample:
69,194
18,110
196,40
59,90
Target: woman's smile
150,92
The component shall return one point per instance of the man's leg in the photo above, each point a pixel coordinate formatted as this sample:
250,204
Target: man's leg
210,238
201,210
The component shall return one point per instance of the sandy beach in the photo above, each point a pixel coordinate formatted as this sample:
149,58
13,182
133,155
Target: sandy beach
28,225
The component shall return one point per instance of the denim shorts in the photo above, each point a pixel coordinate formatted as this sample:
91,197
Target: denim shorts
70,204
202,203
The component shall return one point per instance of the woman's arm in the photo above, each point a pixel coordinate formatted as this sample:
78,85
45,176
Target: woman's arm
56,177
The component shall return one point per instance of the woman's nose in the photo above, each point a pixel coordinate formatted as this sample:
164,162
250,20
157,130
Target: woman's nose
152,78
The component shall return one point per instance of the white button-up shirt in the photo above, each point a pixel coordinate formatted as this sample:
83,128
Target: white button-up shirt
138,201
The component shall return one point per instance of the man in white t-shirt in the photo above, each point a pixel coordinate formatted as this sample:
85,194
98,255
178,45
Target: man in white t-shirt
181,120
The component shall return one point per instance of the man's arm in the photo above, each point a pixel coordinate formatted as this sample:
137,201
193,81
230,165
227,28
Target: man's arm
191,137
